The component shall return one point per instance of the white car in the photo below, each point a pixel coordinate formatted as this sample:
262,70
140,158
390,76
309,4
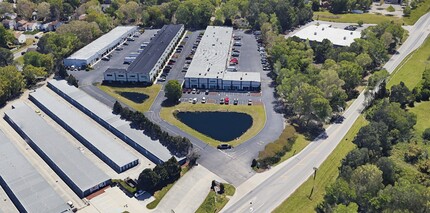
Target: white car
203,100
139,193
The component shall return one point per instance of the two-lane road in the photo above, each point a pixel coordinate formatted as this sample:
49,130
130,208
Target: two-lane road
272,191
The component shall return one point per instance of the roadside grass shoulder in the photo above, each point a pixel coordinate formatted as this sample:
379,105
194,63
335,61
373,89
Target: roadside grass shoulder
298,146
421,9
151,92
257,112
367,18
215,202
300,201
412,67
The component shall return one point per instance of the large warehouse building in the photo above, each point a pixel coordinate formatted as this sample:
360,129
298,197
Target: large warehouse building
105,147
146,66
97,49
339,37
101,113
77,171
27,189
208,69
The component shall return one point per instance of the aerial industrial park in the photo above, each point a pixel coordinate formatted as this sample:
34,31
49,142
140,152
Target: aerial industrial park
200,106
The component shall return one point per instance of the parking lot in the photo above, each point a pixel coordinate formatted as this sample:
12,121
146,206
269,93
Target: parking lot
116,59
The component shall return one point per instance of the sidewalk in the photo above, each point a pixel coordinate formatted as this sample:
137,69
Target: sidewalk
188,192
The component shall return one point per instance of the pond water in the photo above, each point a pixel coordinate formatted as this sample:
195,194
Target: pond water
134,96
222,126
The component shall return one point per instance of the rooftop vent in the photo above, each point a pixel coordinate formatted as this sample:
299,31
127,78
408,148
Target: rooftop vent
323,29
350,33
344,38
315,33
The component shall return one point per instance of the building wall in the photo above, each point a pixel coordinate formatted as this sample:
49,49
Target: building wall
12,196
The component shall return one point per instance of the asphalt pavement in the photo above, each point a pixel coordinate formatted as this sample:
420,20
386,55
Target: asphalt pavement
265,193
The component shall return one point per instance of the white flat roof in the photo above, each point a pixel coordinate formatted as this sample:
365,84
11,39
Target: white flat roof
98,45
339,37
212,54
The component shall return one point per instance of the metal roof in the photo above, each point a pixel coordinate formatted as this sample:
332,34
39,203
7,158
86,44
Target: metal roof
242,76
150,55
99,45
212,54
81,125
27,185
105,113
339,37
79,169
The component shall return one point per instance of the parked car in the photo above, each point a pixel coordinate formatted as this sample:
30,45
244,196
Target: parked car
350,27
203,100
119,48
235,54
139,193
235,101
226,100
125,44
194,91
190,100
237,44
221,101
249,102
194,100
162,79
198,91
207,92
106,58
224,146
130,39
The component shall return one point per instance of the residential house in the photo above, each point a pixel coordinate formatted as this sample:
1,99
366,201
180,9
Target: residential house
9,24
20,37
11,16
20,25
32,26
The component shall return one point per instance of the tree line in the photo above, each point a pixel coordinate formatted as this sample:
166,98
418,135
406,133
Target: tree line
315,80
370,179
179,146
163,174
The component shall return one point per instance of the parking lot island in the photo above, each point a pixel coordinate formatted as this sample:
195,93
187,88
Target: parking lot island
77,171
105,147
27,189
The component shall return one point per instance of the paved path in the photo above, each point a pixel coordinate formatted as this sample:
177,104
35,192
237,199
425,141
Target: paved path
265,193
189,192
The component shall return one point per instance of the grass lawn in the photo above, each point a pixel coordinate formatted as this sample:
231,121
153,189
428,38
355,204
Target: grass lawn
423,117
20,60
158,196
125,95
422,9
412,67
257,113
327,173
367,18
131,190
215,202
300,144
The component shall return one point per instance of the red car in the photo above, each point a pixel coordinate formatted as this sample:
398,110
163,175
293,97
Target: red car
226,100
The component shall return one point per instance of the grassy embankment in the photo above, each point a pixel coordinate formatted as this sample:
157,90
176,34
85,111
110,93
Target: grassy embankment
139,98
422,8
367,18
257,113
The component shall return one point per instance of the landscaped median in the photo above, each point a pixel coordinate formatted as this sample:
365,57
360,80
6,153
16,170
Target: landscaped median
138,97
302,200
257,112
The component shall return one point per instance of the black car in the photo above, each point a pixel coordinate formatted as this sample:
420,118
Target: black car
224,146
235,101
207,92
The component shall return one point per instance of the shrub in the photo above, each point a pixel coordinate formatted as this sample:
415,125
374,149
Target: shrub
273,152
426,134
390,8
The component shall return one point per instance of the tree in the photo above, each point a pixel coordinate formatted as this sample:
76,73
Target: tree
43,10
355,158
366,180
84,31
60,45
117,108
407,11
331,85
360,23
401,94
11,83
377,78
6,37
322,50
195,13
39,60
173,91
340,192
351,208
25,8
6,7
72,80
350,72
32,74
315,5
387,166
426,134
6,57
148,180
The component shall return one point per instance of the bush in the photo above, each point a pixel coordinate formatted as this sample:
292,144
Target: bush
273,152
390,9
426,134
